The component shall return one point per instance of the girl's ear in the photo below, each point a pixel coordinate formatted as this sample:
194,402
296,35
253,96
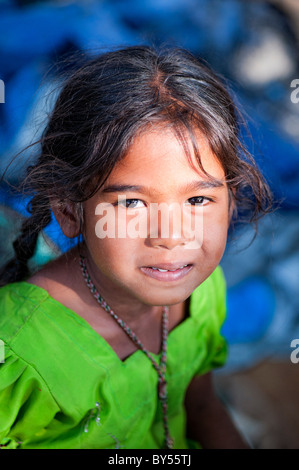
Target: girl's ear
67,215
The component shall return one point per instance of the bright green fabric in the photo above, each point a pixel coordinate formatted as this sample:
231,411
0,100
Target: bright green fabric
57,368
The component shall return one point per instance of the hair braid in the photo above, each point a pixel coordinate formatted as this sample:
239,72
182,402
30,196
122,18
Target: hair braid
25,244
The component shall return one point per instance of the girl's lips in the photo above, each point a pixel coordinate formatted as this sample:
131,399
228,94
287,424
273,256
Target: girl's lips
172,275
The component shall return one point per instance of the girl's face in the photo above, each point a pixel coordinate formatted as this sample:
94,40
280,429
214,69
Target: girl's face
159,245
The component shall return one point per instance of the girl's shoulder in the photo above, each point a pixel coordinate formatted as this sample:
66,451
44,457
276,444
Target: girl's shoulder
214,284
18,302
25,305
208,300
208,310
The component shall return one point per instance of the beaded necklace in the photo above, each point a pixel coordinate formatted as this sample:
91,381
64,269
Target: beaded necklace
160,368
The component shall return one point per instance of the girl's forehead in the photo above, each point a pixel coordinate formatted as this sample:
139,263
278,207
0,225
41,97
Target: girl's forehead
159,152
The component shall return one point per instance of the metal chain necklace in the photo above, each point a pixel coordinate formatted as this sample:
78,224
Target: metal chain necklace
160,368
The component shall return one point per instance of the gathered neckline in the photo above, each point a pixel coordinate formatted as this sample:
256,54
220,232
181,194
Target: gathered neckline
77,317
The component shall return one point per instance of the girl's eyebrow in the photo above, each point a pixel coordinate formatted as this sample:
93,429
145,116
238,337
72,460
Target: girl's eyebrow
192,186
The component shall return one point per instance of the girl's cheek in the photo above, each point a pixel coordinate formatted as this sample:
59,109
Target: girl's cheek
119,251
215,228
215,220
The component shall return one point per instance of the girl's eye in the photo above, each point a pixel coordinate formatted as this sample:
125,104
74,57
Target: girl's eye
131,203
199,201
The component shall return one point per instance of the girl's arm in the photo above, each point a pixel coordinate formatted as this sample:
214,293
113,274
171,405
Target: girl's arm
208,422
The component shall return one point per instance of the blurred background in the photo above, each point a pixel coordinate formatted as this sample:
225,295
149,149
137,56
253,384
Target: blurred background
254,44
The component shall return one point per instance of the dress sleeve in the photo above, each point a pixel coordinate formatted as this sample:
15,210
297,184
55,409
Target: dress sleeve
220,350
214,313
26,404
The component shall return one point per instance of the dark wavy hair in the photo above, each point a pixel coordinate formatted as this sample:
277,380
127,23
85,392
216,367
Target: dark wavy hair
103,105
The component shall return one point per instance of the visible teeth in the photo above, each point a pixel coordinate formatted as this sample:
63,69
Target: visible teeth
166,270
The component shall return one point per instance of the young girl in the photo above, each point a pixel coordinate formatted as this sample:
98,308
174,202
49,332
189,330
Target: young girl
112,344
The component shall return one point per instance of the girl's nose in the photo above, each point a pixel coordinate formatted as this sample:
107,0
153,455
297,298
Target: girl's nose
169,243
168,229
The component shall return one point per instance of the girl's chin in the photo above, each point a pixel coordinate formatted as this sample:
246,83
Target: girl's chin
165,298
165,293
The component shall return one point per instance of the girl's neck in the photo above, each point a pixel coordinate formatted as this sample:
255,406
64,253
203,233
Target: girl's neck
63,280
128,308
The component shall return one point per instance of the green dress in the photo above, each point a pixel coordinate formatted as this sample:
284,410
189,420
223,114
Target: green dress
63,386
